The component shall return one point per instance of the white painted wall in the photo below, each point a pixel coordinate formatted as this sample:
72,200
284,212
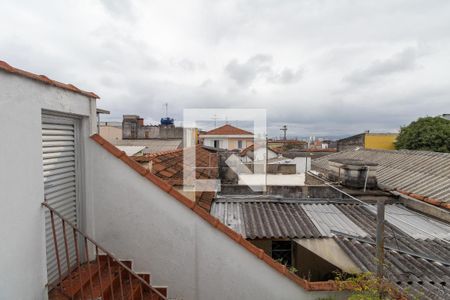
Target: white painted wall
223,143
135,219
302,164
22,231
260,154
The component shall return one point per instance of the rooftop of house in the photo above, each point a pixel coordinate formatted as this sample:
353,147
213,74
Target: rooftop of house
251,148
423,175
228,129
44,79
417,246
169,166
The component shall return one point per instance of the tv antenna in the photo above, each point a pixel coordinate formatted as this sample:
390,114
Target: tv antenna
215,117
166,105
284,129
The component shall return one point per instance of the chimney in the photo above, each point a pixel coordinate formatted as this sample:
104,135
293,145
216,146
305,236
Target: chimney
141,121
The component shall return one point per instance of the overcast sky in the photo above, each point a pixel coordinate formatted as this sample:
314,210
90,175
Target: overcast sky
321,67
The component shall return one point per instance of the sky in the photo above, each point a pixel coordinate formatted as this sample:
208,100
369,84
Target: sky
322,67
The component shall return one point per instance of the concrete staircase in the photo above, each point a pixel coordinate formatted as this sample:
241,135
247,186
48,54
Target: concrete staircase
105,279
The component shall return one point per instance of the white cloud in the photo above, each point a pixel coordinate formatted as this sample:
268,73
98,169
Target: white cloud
322,67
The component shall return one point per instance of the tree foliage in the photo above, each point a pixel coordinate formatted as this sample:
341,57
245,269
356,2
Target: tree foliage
429,133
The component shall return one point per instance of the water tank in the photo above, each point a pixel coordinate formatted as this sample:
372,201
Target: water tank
353,173
167,121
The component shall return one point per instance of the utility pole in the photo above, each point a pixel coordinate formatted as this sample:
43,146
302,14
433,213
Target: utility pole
380,244
284,129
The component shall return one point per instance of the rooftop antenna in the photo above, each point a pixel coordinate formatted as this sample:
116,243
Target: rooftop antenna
215,117
167,109
284,129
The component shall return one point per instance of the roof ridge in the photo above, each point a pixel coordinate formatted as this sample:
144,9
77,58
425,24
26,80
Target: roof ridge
44,79
238,131
305,284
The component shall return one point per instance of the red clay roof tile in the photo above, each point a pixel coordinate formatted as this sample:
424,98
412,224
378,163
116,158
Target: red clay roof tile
44,79
228,129
168,165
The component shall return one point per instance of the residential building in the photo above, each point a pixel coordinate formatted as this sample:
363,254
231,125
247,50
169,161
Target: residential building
155,138
367,140
250,155
227,137
132,232
133,127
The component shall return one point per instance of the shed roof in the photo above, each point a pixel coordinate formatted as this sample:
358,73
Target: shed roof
424,175
418,264
44,79
419,278
262,217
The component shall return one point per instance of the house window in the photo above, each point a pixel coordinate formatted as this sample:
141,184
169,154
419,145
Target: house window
239,144
282,251
216,143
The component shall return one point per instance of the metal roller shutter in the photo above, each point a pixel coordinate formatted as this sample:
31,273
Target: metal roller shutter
59,151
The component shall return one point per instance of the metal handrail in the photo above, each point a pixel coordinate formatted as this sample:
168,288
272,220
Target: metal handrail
86,237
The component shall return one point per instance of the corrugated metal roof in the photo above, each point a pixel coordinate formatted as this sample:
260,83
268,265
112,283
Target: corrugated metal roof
259,217
420,172
418,277
265,219
413,258
328,218
230,215
414,224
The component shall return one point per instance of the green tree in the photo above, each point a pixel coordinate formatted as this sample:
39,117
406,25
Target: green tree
429,133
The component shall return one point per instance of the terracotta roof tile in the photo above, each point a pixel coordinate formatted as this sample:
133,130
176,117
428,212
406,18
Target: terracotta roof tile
228,129
251,147
310,286
168,165
44,79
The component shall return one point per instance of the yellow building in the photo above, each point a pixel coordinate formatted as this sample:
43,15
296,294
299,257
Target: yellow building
380,141
366,140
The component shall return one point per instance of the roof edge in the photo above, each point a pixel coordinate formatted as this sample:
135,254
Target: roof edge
44,79
259,253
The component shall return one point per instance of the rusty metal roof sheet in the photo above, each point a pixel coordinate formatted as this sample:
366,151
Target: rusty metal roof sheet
420,172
